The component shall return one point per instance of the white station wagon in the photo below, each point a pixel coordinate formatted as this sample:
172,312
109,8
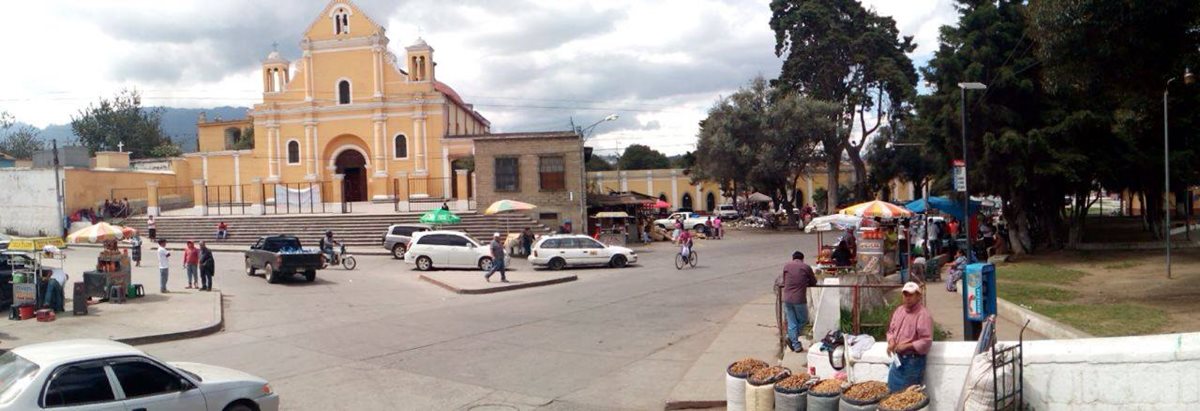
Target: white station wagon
448,249
107,375
558,251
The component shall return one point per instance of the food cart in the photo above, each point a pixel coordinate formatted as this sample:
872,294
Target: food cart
836,223
25,263
614,227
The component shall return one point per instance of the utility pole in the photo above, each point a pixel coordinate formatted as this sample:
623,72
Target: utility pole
58,189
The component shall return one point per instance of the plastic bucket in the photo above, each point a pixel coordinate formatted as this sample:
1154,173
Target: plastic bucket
26,312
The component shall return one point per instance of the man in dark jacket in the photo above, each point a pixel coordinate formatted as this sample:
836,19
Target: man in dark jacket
207,267
795,280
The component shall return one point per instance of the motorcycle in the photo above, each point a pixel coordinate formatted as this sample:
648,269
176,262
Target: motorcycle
341,257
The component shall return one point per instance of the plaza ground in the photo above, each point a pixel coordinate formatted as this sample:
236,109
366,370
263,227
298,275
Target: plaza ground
378,336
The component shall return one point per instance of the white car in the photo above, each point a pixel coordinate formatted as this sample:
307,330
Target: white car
558,251
107,375
727,212
448,249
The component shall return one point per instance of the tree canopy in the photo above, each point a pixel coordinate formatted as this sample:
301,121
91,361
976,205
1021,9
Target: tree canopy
640,157
106,124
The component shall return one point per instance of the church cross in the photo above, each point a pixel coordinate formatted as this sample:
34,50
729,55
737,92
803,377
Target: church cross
275,46
121,147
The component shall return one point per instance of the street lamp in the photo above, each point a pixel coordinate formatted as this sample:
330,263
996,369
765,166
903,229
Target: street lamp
963,87
583,135
1188,78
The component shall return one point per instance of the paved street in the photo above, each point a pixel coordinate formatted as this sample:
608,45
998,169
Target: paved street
381,339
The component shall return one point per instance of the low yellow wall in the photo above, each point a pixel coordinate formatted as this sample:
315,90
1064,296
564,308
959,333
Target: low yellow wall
85,188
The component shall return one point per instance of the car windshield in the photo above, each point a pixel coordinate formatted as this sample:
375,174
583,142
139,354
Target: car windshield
15,373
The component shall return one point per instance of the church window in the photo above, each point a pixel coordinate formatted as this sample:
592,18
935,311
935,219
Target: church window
341,22
401,146
232,136
344,92
293,152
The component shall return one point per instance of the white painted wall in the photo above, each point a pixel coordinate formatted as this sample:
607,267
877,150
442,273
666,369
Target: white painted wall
28,200
1153,372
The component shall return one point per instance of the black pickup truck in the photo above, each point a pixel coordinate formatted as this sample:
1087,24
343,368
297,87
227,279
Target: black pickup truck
282,255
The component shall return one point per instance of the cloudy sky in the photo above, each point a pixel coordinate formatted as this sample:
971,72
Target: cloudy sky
528,65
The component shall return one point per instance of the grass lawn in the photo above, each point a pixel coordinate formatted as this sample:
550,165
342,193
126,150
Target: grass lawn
875,322
1054,291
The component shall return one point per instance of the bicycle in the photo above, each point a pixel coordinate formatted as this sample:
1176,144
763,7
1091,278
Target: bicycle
691,259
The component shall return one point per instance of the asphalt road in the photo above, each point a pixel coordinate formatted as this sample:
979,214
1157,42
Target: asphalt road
377,338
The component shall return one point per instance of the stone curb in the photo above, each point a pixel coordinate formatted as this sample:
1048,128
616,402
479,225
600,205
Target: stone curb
694,405
503,288
201,331
1039,323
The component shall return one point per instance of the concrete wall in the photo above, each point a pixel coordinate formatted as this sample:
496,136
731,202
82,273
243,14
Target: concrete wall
1152,372
29,202
90,187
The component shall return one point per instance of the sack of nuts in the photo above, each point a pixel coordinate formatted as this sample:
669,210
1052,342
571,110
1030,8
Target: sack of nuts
744,367
911,399
769,375
826,388
865,393
794,384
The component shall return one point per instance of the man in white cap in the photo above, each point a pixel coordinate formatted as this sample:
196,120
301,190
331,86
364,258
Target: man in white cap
909,337
497,247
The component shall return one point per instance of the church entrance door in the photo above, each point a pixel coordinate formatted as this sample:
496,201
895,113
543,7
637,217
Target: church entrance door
353,165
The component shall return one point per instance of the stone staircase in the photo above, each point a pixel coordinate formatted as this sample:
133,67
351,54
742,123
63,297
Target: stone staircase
355,230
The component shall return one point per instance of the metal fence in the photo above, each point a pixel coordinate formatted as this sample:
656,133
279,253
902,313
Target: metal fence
175,197
297,198
226,199
428,187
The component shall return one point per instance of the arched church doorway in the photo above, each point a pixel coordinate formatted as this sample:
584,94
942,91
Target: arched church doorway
686,202
352,164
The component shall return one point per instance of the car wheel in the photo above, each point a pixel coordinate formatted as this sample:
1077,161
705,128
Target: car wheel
424,263
269,273
661,226
557,264
249,268
698,227
398,251
485,263
239,406
618,261
310,275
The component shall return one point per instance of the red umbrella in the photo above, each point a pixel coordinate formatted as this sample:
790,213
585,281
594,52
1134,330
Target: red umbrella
662,204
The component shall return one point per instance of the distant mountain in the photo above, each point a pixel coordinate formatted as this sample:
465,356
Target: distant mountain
177,123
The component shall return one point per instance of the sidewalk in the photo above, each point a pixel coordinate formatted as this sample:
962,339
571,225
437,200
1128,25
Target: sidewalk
750,333
946,309
157,317
153,318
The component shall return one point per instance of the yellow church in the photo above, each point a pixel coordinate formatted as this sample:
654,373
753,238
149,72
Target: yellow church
348,109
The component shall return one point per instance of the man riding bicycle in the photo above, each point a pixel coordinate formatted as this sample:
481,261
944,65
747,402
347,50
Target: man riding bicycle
685,243
327,244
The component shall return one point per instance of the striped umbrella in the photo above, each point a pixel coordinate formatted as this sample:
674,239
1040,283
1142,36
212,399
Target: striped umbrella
508,205
877,209
96,233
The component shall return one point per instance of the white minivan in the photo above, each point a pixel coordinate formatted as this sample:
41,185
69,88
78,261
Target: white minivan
447,249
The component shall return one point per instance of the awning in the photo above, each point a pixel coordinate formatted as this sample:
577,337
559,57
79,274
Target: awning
629,198
612,214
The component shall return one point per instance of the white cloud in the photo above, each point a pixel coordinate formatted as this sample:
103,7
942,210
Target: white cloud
527,64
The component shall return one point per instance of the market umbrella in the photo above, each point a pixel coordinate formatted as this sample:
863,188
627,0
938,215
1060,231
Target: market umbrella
129,232
508,205
661,204
758,198
877,208
440,217
96,233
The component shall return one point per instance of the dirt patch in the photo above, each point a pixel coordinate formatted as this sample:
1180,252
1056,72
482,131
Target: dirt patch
1136,278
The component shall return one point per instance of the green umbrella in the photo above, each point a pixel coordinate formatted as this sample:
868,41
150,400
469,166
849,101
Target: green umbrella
440,217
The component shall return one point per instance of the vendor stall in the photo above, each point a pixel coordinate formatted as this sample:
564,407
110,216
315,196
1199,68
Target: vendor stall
28,287
615,227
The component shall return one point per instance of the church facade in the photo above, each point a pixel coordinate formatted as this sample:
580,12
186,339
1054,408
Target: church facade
348,111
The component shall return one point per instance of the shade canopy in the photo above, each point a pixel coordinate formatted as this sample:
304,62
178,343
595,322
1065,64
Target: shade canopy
439,217
877,208
661,204
612,214
508,205
832,222
944,205
97,233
